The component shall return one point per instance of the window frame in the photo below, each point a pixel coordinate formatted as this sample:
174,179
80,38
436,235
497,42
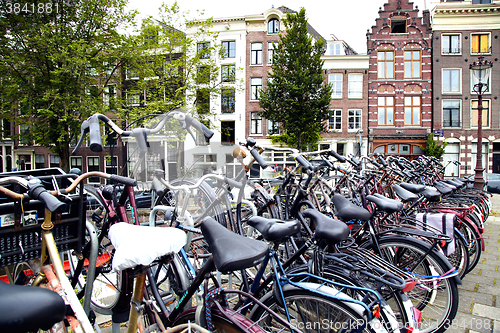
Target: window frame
385,62
228,73
472,42
336,93
270,52
450,117
412,107
351,92
255,88
256,55
459,92
356,121
488,113
459,35
255,124
228,49
276,27
412,62
203,49
337,120
385,106
228,95
94,180
231,137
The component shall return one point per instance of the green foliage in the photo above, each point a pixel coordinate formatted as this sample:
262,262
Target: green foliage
297,95
432,148
53,65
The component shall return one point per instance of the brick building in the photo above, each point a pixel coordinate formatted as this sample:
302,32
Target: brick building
463,31
399,80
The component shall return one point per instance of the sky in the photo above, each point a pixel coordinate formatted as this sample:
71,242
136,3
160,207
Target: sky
348,20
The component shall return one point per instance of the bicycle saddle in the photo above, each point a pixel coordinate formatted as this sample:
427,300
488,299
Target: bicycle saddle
347,211
385,204
415,188
432,194
273,229
27,309
331,230
405,195
141,245
231,252
455,182
443,187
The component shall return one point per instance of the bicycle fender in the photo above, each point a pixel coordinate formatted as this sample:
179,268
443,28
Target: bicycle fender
441,256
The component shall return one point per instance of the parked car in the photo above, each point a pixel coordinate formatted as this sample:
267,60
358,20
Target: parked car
492,182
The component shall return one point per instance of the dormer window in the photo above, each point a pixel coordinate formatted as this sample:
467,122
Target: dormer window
273,26
398,26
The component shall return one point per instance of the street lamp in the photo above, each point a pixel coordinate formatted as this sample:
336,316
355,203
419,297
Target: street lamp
481,72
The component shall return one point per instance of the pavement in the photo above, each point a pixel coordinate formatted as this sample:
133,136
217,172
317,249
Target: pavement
479,306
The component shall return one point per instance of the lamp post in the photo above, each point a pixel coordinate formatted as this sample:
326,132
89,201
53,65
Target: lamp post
481,72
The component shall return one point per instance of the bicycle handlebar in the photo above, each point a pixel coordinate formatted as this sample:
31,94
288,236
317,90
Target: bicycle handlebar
91,126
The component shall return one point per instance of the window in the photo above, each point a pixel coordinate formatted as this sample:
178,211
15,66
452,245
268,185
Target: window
132,74
203,101
227,132
227,100
335,120
334,49
355,85
386,110
109,96
354,120
450,44
477,2
203,50
24,134
93,165
273,26
485,113
24,162
270,53
111,165
39,161
273,127
341,148
255,124
75,162
133,98
398,26
202,75
451,113
484,150
255,88
256,54
6,129
55,161
229,49
452,80
480,43
412,110
412,64
336,81
385,64
228,73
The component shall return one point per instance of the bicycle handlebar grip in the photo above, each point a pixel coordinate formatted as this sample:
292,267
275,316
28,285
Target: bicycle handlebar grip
123,180
38,192
208,133
158,187
258,158
304,162
372,161
95,134
339,158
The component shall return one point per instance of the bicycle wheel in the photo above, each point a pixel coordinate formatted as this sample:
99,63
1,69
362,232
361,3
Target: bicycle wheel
107,285
202,202
436,298
473,238
460,257
311,312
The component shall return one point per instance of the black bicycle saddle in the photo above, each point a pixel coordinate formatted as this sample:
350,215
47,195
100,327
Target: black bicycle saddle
273,229
347,211
331,230
231,252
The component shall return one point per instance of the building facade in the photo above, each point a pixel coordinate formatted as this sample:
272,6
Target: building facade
399,80
463,31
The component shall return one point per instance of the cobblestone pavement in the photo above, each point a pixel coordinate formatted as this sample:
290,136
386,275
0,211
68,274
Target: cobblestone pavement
479,307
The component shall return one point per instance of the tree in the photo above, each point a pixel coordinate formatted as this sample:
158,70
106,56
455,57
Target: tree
432,148
55,61
296,95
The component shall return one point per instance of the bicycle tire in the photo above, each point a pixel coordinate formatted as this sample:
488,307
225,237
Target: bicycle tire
106,286
473,238
201,199
326,313
460,257
404,251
